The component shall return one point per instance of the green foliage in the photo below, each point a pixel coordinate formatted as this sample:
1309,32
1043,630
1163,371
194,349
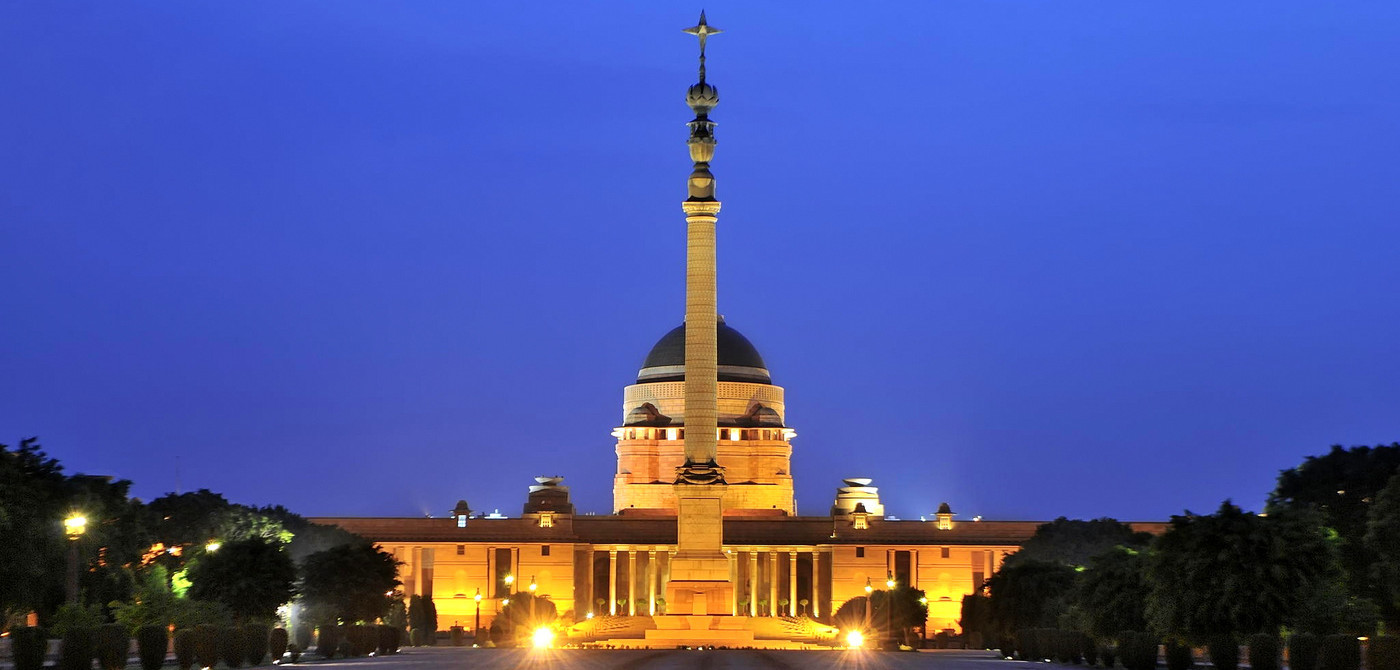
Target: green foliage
390,637
151,642
184,648
1112,591
516,615
397,616
28,644
1382,540
113,643
254,643
417,613
976,614
72,615
1073,542
302,634
1179,656
1264,652
364,639
231,646
1339,652
1108,653
252,577
1236,572
206,645
1303,651
327,640
1030,594
1224,651
277,643
1383,653
1138,651
78,648
350,580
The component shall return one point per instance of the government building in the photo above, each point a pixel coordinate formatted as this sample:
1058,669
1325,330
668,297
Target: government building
704,543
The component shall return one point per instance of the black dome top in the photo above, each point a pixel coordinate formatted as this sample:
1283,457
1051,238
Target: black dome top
738,361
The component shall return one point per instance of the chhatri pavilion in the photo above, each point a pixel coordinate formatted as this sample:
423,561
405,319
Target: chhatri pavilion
704,545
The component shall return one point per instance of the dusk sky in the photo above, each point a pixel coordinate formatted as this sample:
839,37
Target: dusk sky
1030,258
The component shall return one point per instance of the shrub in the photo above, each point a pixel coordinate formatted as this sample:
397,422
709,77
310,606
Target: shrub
79,647
302,635
151,642
254,643
1089,648
1302,651
1264,652
28,644
206,645
458,636
1339,652
389,639
1179,656
1023,644
231,646
277,643
1108,654
184,648
1383,653
1008,647
364,640
1138,651
327,640
1224,651
294,652
113,643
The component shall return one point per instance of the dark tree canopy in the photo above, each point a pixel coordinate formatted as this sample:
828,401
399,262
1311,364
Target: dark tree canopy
252,577
1113,591
1074,541
1383,540
1030,594
351,581
1237,572
891,612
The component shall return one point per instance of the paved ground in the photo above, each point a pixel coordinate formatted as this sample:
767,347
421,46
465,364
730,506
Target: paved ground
450,658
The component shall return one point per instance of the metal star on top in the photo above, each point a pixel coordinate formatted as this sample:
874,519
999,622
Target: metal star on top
703,30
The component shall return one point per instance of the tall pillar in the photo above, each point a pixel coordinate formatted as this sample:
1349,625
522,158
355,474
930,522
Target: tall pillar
651,583
753,583
792,583
588,580
816,583
772,583
733,579
612,581
632,582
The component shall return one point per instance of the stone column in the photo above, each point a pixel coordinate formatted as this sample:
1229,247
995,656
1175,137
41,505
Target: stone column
792,583
612,581
632,582
588,580
772,583
753,583
733,579
816,582
651,582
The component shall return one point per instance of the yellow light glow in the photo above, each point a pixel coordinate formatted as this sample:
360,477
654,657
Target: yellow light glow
75,525
854,639
213,546
588,616
532,587
510,579
889,583
477,597
505,601
542,638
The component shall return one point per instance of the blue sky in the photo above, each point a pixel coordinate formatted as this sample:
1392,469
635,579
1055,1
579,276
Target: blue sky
1031,258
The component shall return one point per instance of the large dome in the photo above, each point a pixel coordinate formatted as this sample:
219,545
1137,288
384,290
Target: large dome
738,359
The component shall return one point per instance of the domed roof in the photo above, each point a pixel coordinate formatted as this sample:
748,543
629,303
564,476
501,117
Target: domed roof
738,361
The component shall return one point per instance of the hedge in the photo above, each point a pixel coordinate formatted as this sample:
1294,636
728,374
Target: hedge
1264,652
184,648
28,645
151,642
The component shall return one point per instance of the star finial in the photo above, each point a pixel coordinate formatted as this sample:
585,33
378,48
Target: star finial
702,31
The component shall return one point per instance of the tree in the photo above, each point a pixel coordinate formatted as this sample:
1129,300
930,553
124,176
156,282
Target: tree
352,581
1112,590
1343,485
1383,540
253,577
1074,541
1236,572
1030,594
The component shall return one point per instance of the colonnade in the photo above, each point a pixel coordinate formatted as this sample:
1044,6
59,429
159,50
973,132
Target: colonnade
751,580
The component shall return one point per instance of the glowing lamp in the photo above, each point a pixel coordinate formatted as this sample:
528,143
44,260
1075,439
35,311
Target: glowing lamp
510,579
75,525
854,639
542,638
213,545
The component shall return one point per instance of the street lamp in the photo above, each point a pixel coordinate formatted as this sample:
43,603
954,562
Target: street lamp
532,588
74,526
868,591
477,630
889,604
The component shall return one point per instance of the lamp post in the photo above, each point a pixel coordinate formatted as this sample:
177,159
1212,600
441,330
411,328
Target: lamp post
868,591
74,526
532,588
476,630
889,603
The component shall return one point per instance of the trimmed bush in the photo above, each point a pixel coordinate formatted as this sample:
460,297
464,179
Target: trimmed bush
79,648
364,640
294,652
277,643
458,636
303,635
1089,648
390,637
1008,647
184,648
151,642
1108,654
231,646
1264,652
1023,644
206,645
1339,652
1139,651
254,643
28,644
1179,656
1302,651
1383,653
1224,651
327,640
113,643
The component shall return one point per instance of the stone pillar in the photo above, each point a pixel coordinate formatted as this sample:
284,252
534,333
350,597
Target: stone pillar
733,579
753,583
612,581
792,583
816,583
632,582
772,583
651,582
588,580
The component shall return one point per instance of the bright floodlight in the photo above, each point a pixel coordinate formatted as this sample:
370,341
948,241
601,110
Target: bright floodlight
543,638
75,525
510,579
213,545
854,639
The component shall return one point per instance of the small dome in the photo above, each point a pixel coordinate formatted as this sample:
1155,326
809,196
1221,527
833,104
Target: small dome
702,97
738,360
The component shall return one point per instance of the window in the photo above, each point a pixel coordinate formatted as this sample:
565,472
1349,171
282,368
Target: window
945,522
860,552
947,553
546,519
461,521
544,550
859,521
461,550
